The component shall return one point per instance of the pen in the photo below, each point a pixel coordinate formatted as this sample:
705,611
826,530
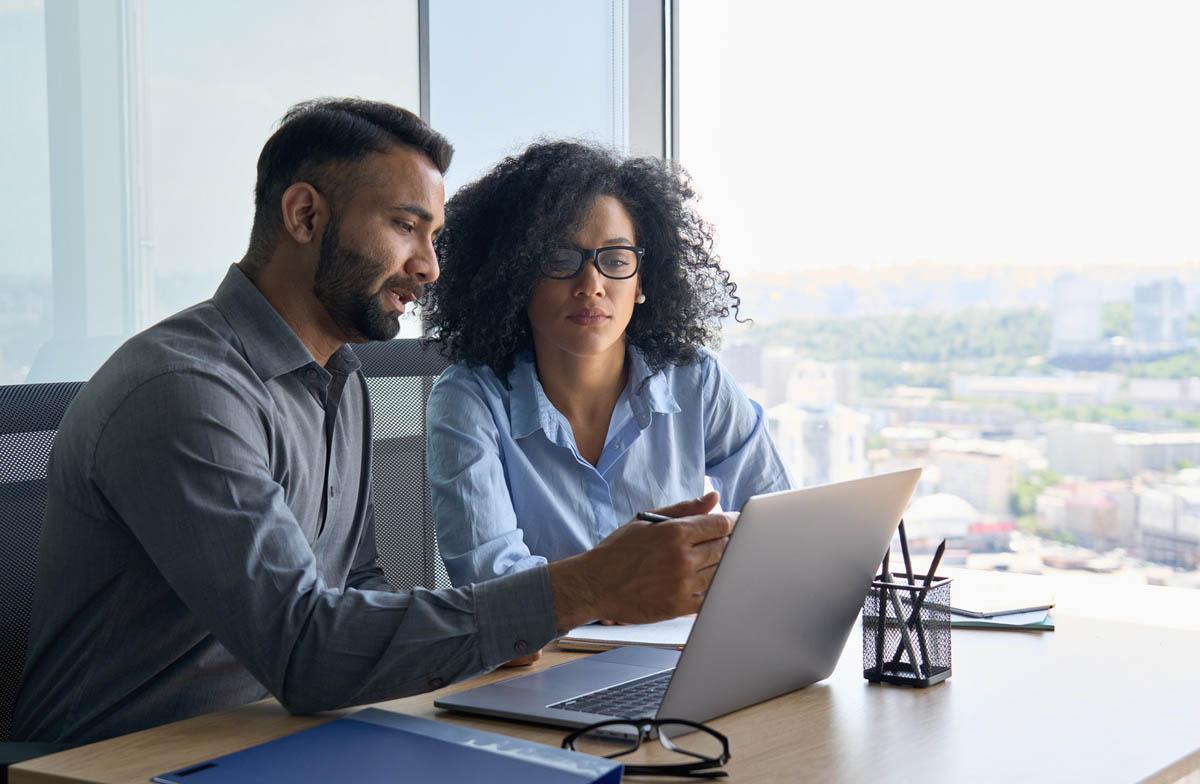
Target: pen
929,577
652,517
879,618
937,557
920,602
904,635
908,572
908,576
915,618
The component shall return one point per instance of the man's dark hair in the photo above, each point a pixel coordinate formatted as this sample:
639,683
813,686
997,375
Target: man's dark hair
314,137
498,228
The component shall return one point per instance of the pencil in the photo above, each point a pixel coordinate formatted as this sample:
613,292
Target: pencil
919,602
879,617
908,572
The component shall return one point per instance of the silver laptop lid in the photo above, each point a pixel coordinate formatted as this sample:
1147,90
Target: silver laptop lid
786,593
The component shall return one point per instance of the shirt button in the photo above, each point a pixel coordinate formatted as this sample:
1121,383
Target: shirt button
436,683
311,373
520,647
617,445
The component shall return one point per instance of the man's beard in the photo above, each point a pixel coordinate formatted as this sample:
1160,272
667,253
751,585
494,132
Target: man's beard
343,284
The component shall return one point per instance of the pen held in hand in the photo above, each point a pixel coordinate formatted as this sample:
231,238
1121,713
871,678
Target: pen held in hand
652,517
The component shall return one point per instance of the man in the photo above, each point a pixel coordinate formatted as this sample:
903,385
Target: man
209,534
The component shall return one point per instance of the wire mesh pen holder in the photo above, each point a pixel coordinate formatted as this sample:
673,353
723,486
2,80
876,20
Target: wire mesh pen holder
906,632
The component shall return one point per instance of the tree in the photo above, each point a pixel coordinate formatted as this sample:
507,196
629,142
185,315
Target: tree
1024,498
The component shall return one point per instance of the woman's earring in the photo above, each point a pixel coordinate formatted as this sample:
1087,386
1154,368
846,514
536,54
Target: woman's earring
640,298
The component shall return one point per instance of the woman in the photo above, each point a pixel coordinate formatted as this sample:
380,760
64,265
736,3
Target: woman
576,289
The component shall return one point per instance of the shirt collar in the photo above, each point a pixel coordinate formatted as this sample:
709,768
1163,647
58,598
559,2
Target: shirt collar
531,410
271,347
649,392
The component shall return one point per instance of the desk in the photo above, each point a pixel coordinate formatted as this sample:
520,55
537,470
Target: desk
1096,701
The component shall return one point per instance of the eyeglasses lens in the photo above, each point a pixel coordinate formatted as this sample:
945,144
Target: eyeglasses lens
609,740
691,741
617,262
561,263
616,739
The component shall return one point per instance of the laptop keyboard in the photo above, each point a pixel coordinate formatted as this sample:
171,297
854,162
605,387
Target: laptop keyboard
633,700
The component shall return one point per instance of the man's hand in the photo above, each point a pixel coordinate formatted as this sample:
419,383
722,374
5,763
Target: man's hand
643,572
523,661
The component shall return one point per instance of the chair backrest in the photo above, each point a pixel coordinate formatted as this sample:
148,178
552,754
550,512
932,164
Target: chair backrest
29,417
400,375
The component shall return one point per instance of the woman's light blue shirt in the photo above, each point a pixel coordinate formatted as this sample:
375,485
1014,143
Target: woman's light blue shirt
511,491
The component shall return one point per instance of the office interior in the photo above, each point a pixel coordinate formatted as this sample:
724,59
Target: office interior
127,169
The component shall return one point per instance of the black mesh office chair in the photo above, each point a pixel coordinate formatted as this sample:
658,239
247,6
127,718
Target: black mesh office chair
29,417
399,375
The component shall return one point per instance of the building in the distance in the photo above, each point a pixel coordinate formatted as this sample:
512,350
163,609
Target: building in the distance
1100,515
744,361
1080,449
940,516
1160,315
1072,389
1168,517
1135,453
978,472
1096,451
778,362
819,444
818,384
1163,393
1077,327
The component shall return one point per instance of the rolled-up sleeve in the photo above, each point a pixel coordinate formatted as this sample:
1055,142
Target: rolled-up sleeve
477,528
184,462
739,456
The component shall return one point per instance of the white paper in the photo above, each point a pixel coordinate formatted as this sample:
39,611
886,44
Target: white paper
664,634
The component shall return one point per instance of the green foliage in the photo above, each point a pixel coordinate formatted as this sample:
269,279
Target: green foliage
1024,499
1120,410
1055,535
926,349
1116,320
1179,366
933,338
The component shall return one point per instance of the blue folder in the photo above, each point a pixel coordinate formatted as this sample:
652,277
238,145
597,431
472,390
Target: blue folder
377,745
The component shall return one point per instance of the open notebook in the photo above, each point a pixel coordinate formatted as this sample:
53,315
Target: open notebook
670,634
986,594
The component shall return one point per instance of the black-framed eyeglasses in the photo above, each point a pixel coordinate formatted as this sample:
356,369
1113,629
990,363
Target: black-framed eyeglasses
614,261
617,737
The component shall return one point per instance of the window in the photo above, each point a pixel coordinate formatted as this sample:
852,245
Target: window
966,236
129,166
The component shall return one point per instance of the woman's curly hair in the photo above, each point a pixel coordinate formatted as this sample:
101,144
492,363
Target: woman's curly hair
498,227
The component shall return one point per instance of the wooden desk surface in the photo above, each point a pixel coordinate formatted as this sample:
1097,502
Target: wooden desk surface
1094,701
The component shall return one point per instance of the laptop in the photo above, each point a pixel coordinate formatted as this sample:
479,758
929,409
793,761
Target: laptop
775,619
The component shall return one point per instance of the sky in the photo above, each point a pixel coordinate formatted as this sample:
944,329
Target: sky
868,134
875,134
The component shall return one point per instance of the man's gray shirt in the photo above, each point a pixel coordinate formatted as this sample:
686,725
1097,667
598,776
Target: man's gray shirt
210,537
